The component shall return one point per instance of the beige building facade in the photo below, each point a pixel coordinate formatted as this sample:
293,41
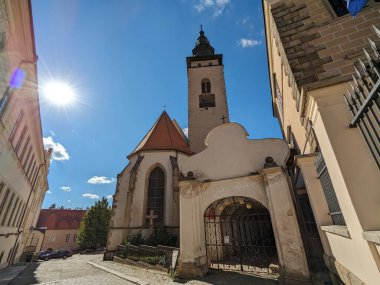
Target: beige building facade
61,228
315,57
24,163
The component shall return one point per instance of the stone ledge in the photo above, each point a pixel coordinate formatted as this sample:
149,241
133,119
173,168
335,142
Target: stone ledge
338,230
121,275
372,236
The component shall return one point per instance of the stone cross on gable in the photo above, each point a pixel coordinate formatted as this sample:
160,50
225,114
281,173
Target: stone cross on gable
151,216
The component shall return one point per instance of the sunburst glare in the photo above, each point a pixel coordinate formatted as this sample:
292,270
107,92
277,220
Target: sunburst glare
58,92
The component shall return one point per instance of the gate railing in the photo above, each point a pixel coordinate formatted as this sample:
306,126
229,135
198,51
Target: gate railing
363,98
161,256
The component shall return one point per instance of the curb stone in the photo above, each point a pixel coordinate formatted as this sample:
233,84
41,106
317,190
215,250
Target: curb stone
121,275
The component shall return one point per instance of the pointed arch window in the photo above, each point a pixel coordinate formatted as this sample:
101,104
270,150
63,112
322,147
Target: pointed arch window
206,86
155,199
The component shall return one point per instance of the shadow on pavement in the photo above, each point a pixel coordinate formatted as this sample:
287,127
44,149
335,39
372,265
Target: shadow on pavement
229,277
27,276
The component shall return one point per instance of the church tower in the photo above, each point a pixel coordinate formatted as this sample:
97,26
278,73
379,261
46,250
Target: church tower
207,99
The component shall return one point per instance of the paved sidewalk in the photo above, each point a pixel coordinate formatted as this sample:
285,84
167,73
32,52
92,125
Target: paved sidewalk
10,273
141,276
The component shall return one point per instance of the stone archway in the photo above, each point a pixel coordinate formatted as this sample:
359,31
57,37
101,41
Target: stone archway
239,236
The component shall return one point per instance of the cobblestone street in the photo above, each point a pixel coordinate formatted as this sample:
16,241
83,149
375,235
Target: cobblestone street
73,270
91,269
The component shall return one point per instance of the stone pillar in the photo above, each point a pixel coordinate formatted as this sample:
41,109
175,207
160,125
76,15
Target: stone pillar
175,184
291,252
193,260
316,196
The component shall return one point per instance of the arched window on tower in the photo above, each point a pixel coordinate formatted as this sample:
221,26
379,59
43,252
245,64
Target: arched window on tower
206,86
155,199
206,100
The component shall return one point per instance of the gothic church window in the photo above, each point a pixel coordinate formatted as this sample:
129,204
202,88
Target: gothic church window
155,199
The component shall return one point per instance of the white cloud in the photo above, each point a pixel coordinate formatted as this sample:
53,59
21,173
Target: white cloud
91,196
248,42
59,151
109,196
66,188
49,192
245,20
100,180
69,201
217,6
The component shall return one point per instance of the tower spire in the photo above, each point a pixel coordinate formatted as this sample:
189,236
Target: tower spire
202,46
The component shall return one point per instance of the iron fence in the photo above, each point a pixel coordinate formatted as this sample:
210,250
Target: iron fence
363,99
155,256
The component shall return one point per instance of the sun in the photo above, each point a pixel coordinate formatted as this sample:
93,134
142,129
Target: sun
58,92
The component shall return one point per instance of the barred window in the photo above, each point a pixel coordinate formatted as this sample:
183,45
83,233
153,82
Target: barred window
328,189
67,237
155,199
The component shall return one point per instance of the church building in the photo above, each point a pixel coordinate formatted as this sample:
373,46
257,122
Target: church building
227,198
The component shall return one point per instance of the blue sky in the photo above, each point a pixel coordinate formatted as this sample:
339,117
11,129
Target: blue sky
125,60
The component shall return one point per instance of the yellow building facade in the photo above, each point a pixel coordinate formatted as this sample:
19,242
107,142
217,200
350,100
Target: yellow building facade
330,120
24,163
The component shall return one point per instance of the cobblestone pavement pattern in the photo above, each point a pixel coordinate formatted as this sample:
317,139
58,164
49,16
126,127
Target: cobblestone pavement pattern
73,270
76,270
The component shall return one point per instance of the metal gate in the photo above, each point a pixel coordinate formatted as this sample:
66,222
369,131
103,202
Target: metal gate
239,236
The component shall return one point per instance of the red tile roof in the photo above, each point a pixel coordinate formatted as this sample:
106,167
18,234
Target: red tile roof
163,136
59,219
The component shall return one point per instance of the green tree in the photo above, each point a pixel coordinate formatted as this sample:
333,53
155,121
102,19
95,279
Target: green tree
94,226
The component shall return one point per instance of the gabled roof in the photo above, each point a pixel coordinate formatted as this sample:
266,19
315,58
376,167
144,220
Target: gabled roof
59,219
163,136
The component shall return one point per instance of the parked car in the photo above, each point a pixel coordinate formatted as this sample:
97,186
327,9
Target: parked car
63,253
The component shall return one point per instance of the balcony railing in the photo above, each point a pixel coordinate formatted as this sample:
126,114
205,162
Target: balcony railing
363,99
